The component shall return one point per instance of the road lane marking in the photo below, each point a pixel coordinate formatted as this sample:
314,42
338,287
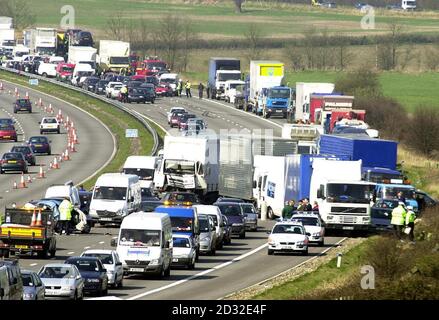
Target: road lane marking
33,264
86,247
71,252
225,264
102,242
114,238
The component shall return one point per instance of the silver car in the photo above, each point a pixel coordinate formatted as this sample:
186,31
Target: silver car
113,265
207,234
184,251
62,280
250,216
33,287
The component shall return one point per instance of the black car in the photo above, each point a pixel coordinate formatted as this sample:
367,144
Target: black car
13,161
180,198
40,144
27,153
83,38
89,84
93,272
85,198
100,86
381,214
140,95
227,238
150,205
149,89
22,105
235,216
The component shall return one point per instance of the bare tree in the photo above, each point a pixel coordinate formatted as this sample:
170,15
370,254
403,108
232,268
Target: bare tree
116,27
424,130
238,5
169,36
395,33
431,57
253,37
19,11
344,56
189,36
296,57
309,43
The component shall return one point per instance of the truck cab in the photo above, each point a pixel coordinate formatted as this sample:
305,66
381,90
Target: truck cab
275,101
408,4
64,71
222,76
233,91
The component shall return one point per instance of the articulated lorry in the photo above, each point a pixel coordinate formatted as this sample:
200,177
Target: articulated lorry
266,94
114,55
42,41
220,71
189,163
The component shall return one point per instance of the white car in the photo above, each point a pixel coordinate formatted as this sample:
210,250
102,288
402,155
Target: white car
62,280
114,92
49,124
109,87
207,234
113,265
215,212
184,252
313,227
169,114
288,236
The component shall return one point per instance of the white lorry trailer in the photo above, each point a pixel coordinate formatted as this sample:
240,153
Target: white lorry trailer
303,97
41,41
114,55
82,55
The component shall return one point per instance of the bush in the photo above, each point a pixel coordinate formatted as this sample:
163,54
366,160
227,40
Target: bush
361,83
423,133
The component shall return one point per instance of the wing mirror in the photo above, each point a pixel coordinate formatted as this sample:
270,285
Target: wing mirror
118,263
308,234
104,270
268,232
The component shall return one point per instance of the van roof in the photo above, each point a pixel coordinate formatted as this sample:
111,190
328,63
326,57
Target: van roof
207,209
146,220
116,179
140,162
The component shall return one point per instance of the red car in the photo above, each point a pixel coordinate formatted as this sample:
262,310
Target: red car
8,132
163,90
175,118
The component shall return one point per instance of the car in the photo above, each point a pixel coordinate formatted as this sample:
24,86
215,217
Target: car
288,236
13,161
174,109
22,105
207,234
33,287
93,272
179,198
250,216
115,91
174,119
150,205
218,221
183,251
113,265
381,214
90,83
139,95
163,90
150,90
50,124
27,153
182,124
85,198
234,200
109,87
7,121
425,200
40,145
227,234
62,280
233,212
11,284
100,86
195,125
314,226
8,132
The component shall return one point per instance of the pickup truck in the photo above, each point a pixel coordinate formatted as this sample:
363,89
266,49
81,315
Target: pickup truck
20,234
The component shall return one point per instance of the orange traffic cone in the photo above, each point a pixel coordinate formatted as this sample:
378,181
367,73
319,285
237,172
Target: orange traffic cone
72,125
16,91
72,147
22,183
39,222
66,123
34,219
29,179
60,117
15,185
66,155
75,138
1,86
41,173
40,102
55,164
27,95
60,158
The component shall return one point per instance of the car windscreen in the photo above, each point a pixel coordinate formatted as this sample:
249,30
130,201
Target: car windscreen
182,224
279,93
7,128
49,120
57,273
105,258
204,225
284,228
110,193
308,221
139,237
85,265
248,209
24,150
23,102
15,156
230,210
180,197
38,140
179,167
6,121
147,174
181,243
27,280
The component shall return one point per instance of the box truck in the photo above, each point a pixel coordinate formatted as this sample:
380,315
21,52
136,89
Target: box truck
41,40
220,71
303,97
82,55
114,55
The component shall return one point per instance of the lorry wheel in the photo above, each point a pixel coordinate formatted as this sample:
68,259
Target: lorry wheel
270,252
270,214
42,254
321,243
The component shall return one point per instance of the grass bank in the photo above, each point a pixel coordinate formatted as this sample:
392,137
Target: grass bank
116,120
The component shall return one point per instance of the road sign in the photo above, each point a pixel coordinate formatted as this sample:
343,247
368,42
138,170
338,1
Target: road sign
33,82
131,133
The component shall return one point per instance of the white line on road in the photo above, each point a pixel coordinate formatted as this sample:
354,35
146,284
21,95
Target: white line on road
71,252
102,242
33,264
86,247
147,293
114,238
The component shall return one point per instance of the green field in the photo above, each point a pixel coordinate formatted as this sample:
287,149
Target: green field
219,20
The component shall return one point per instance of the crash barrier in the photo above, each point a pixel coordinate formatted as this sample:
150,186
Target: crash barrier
119,105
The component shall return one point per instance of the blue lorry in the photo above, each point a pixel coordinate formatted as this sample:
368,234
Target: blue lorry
274,101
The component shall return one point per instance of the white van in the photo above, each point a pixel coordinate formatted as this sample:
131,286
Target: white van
142,166
81,72
62,191
145,243
4,284
115,195
215,212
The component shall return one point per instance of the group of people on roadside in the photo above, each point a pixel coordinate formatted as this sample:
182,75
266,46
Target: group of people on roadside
302,205
403,221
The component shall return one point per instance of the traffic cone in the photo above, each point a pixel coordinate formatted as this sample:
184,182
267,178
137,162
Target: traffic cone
50,165
60,158
66,123
29,179
72,125
39,222
15,185
22,182
16,91
50,108
60,117
72,147
66,155
55,164
40,102
1,86
75,138
27,95
41,173
34,219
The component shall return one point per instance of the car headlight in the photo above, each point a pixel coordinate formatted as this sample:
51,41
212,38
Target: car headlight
29,295
237,224
330,217
66,288
121,212
366,218
93,280
154,262
316,234
300,243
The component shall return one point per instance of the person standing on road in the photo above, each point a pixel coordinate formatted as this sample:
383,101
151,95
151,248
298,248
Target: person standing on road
307,205
410,222
200,90
315,207
124,93
65,215
179,88
188,89
287,211
207,91
398,219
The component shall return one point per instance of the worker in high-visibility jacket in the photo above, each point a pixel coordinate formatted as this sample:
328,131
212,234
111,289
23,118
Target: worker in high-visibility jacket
398,219
65,215
188,89
410,222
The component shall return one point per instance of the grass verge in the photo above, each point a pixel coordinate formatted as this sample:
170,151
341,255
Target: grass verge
116,120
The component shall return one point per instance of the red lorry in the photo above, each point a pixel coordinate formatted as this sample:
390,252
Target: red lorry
151,67
64,71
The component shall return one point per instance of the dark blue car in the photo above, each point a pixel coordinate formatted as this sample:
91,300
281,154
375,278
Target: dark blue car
22,105
93,272
40,144
236,220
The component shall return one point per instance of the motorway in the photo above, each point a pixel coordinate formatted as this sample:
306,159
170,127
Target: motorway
239,265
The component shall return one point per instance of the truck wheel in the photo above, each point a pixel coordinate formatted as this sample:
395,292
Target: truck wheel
44,75
270,252
270,213
42,254
321,243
